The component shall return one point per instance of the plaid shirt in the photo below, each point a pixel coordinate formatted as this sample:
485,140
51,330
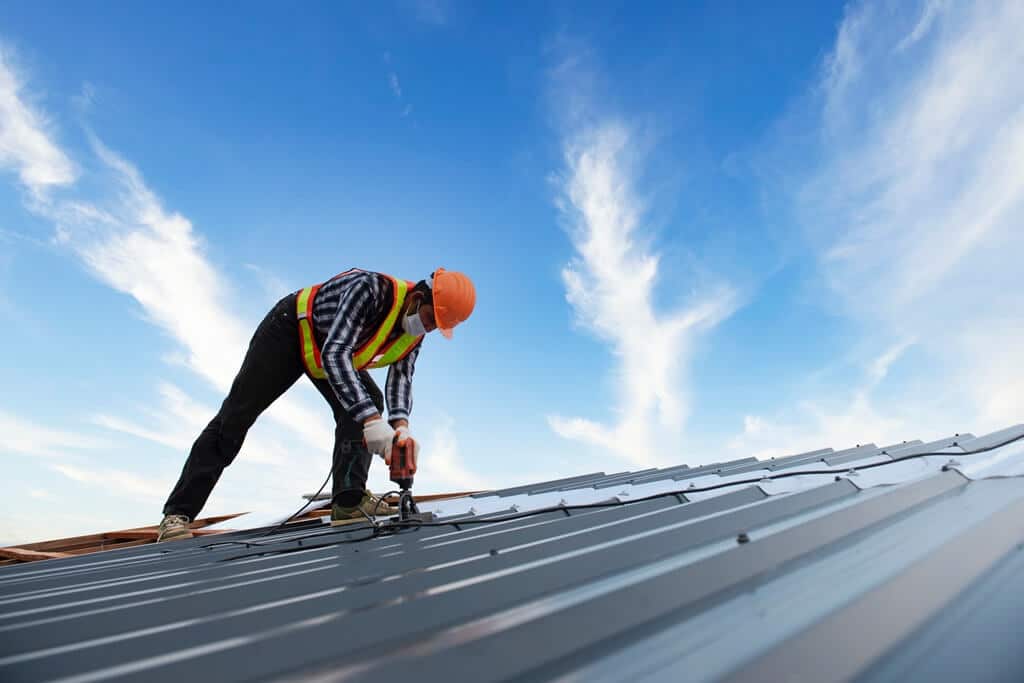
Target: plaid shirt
347,312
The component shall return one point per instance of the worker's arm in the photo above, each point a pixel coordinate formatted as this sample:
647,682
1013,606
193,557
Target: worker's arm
356,306
398,389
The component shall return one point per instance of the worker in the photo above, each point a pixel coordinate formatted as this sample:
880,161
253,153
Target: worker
333,333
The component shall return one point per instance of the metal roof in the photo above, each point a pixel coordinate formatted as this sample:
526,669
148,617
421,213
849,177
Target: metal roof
821,566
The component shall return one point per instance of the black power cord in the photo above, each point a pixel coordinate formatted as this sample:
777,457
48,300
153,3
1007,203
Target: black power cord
378,530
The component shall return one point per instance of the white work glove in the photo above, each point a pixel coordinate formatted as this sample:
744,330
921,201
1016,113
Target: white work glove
403,440
379,436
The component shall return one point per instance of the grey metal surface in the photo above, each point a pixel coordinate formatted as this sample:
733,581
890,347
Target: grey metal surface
891,612
783,462
576,594
560,637
711,644
545,484
577,484
950,442
852,455
976,638
992,439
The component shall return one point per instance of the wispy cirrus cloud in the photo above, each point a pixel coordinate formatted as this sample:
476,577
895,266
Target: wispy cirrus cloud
136,246
119,228
396,84
444,467
611,285
117,482
915,207
29,437
25,141
176,419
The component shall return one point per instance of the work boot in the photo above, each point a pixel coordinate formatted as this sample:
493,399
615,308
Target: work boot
371,505
174,528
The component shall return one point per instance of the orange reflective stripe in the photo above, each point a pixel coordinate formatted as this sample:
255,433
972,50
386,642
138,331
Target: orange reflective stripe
307,340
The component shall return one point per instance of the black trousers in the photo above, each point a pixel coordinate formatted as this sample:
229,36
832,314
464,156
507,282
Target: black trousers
271,365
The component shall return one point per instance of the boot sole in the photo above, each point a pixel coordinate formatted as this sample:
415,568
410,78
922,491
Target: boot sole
175,537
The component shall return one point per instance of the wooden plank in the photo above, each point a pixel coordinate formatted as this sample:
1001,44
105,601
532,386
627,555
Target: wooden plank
101,540
111,545
207,521
63,542
23,555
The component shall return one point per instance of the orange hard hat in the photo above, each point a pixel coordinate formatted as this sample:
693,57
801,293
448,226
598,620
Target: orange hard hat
454,299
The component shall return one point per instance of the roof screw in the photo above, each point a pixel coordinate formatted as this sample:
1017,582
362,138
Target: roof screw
742,538
950,465
494,551
692,486
852,472
838,478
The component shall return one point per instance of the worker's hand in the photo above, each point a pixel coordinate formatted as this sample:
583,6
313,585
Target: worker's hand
378,436
404,440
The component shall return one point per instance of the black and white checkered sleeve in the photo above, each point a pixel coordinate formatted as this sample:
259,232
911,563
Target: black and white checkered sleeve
398,390
356,304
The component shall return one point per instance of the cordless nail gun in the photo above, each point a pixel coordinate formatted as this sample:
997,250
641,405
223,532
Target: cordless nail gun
403,467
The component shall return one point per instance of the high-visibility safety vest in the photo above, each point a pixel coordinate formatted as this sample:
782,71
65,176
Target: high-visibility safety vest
374,353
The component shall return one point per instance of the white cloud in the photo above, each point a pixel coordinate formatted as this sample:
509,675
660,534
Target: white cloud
116,482
441,466
916,208
179,419
611,286
25,145
139,248
18,435
396,87
273,285
126,237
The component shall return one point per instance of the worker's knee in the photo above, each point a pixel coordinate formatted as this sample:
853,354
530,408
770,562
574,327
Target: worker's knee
217,446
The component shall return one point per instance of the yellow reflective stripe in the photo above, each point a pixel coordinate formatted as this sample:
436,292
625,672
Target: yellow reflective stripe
363,359
397,350
306,338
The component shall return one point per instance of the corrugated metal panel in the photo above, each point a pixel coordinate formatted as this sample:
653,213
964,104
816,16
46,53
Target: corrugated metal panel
783,462
994,438
749,579
547,484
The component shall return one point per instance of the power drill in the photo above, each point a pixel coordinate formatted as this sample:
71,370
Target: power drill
403,467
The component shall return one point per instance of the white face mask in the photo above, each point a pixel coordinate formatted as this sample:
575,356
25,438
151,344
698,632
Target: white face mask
413,325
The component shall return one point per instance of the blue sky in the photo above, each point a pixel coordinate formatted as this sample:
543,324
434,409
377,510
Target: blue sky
699,231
